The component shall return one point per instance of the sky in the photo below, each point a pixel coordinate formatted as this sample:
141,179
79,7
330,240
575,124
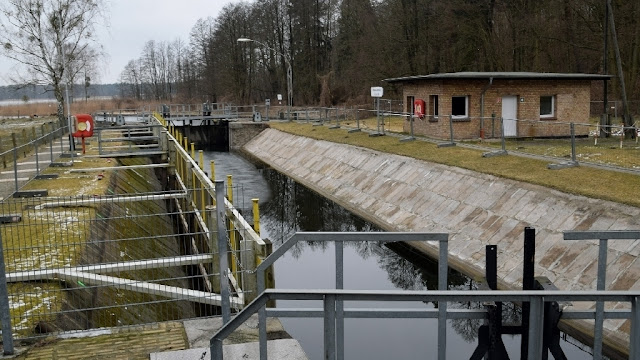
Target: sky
134,22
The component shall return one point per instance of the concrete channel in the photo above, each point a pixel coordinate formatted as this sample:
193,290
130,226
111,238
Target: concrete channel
403,194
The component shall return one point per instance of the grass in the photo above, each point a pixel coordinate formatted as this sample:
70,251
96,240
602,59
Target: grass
29,245
595,183
607,151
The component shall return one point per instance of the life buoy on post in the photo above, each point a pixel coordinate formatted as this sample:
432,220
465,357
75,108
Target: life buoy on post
419,108
83,126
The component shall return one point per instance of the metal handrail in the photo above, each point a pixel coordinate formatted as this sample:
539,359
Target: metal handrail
603,237
339,238
536,298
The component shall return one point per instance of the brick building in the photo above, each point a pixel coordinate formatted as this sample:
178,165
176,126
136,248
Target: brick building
472,103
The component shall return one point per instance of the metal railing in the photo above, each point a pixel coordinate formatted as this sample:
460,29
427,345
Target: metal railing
30,144
564,143
247,248
117,259
332,298
140,140
603,238
339,239
334,312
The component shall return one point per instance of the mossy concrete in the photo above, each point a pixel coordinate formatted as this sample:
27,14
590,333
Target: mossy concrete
404,194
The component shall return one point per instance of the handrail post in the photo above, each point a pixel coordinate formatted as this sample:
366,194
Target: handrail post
262,317
443,269
451,128
573,142
222,253
256,216
5,314
339,323
329,327
536,318
502,139
35,146
601,281
634,339
15,166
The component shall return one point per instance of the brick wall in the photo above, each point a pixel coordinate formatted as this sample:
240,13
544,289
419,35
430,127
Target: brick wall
572,101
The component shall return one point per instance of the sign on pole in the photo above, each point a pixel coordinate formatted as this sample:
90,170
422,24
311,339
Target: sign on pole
377,91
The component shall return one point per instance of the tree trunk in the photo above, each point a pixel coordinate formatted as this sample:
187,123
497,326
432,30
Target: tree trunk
57,91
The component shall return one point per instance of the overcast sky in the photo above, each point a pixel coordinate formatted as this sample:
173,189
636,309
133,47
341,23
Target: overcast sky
133,23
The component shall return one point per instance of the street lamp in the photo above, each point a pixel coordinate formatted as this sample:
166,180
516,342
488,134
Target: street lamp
289,72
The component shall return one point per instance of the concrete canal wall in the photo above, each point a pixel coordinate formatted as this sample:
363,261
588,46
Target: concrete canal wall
404,194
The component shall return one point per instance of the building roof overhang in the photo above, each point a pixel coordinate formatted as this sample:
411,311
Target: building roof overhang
501,75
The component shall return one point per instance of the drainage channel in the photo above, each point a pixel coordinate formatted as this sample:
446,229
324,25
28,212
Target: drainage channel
287,207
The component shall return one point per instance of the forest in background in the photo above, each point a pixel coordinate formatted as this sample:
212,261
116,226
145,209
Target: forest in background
339,49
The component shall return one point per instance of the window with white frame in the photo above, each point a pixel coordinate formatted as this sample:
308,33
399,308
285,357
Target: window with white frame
459,107
547,106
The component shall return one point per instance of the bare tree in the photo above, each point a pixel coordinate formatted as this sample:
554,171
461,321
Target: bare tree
130,80
45,36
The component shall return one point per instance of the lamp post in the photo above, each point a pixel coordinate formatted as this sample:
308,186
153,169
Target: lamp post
289,72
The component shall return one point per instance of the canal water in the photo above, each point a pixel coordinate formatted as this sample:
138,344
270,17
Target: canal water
287,207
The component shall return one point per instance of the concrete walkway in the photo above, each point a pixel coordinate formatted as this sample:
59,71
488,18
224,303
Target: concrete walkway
176,340
29,165
403,194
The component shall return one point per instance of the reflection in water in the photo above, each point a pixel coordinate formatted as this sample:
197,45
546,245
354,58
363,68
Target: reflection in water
288,207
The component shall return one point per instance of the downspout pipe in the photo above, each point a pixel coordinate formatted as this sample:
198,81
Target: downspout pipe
484,90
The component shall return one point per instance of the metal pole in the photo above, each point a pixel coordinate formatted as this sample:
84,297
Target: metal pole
262,318
604,120
35,145
573,142
535,328
451,127
51,144
602,274
339,303
502,139
15,166
411,124
5,314
378,113
634,340
289,86
61,139
528,282
330,327
443,269
222,252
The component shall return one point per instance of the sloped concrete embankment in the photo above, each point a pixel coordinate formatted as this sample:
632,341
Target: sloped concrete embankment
110,241
404,194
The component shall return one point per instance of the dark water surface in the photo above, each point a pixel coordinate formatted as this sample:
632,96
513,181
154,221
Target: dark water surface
287,207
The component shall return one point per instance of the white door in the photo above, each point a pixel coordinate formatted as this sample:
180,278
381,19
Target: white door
509,115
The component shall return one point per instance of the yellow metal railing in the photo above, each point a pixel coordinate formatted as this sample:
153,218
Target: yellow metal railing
246,248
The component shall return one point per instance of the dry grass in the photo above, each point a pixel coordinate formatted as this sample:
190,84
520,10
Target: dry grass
78,107
595,183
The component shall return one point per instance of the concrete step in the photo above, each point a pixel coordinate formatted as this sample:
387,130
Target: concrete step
276,349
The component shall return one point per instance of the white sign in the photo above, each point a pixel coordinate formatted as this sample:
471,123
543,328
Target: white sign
377,91
279,97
